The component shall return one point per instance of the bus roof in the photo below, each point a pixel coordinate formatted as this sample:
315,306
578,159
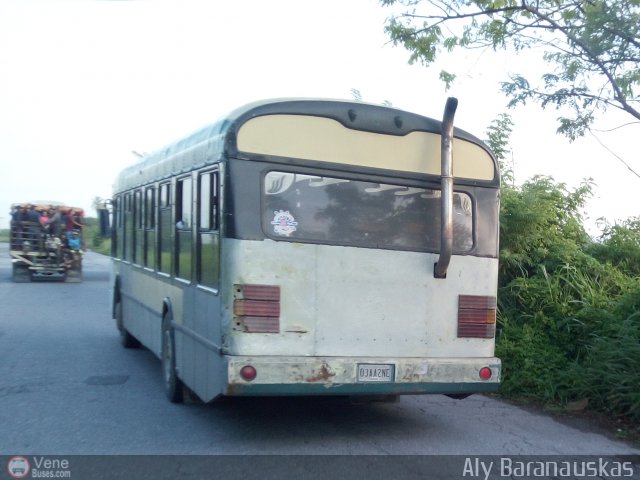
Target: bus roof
305,128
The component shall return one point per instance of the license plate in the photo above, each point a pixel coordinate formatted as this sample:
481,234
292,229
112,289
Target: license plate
369,372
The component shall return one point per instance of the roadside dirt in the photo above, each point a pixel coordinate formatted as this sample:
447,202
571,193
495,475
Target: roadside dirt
585,420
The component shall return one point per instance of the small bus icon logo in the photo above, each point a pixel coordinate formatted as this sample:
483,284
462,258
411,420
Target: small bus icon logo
18,467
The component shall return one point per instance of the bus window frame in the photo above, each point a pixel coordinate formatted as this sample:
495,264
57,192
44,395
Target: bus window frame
117,225
128,223
149,227
182,232
164,216
138,227
212,228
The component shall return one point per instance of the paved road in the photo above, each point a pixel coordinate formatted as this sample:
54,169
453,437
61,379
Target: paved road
67,387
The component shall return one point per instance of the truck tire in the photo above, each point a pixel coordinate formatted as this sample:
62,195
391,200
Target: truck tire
21,273
74,275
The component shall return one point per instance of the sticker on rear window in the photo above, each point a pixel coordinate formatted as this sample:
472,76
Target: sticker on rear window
284,224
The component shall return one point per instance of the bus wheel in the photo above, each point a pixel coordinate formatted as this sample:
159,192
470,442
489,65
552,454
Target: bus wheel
127,340
172,384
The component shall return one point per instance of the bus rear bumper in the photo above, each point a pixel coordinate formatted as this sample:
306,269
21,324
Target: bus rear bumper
361,376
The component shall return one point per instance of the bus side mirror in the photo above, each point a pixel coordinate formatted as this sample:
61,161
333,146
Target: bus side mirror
104,219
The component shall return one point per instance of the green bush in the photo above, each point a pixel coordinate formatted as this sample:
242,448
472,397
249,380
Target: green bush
609,373
619,245
568,325
93,239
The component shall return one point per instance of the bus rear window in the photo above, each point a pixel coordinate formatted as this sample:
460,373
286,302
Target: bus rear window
347,212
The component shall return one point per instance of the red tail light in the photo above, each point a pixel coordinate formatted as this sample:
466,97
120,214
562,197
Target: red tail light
256,308
476,316
248,373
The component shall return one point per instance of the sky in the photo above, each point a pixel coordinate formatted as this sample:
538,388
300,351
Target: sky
86,83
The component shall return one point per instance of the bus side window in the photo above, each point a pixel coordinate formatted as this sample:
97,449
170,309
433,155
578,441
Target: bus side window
116,232
164,229
150,227
183,204
184,242
138,235
208,256
127,219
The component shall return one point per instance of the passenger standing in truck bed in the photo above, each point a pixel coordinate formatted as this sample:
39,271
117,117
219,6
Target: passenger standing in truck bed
18,215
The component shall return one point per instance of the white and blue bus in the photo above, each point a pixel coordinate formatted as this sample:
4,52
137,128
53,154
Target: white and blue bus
312,247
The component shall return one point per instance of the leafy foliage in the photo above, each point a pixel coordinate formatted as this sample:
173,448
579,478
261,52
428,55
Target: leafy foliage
592,46
498,133
93,239
620,246
608,375
569,306
569,321
541,226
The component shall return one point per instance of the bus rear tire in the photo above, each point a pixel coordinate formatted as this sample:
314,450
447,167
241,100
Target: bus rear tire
173,387
126,339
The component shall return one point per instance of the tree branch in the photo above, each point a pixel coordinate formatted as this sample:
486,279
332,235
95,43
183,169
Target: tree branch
619,95
614,154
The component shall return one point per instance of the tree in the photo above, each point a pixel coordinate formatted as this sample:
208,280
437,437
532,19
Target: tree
498,137
593,47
